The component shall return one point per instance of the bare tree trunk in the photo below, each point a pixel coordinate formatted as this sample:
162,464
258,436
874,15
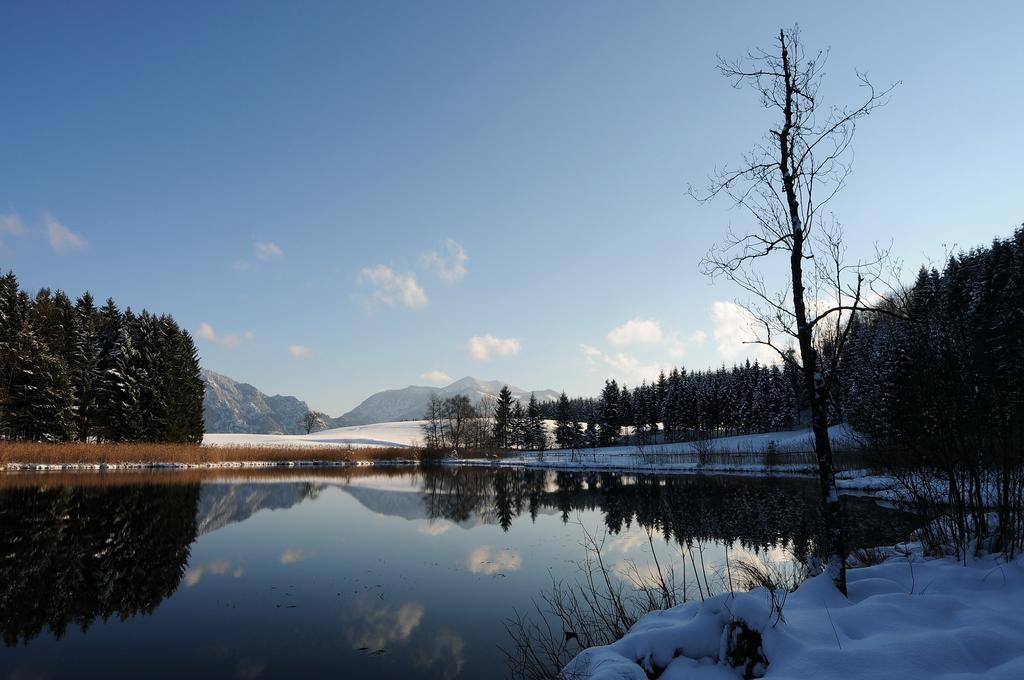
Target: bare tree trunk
783,185
833,547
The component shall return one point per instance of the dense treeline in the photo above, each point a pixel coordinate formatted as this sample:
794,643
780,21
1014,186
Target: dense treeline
75,371
943,381
951,367
687,405
682,406
679,406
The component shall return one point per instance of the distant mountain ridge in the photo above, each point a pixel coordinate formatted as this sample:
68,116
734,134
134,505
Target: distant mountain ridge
410,403
233,407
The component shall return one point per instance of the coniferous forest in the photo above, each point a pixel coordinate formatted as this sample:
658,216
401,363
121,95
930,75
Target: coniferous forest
75,371
941,368
947,370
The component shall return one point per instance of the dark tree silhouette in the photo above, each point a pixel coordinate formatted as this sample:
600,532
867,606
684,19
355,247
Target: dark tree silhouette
784,184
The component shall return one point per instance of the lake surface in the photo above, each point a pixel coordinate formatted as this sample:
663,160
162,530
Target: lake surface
366,572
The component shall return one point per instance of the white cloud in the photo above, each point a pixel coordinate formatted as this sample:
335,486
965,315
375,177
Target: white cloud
436,376
293,555
639,331
636,332
267,250
391,287
241,265
218,567
61,237
625,367
447,653
300,351
734,331
207,332
432,528
677,345
12,225
372,627
481,560
483,347
450,265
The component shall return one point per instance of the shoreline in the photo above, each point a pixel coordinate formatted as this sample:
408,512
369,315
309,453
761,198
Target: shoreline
848,481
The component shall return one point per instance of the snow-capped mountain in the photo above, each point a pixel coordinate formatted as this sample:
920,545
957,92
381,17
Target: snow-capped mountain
233,407
410,403
230,406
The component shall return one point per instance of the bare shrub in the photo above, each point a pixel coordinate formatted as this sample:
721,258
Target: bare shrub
597,609
704,446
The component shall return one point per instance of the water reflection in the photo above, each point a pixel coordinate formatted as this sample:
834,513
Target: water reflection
756,513
389,573
72,555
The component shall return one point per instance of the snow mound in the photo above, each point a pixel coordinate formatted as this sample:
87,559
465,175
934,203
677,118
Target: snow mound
934,618
401,434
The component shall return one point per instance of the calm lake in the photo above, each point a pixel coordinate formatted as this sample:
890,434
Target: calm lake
359,572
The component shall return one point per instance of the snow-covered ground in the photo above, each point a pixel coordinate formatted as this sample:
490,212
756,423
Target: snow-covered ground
404,433
904,619
681,456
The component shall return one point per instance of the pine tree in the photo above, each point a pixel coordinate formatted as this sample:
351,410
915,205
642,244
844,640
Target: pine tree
118,415
84,366
564,430
503,426
608,417
536,434
517,426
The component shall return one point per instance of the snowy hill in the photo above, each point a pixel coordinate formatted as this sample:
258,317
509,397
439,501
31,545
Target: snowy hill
405,433
410,403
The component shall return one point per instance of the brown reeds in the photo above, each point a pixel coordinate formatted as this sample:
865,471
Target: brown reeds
90,453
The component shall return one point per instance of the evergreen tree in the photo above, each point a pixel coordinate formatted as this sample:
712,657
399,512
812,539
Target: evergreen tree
608,417
536,434
503,425
72,371
564,424
517,426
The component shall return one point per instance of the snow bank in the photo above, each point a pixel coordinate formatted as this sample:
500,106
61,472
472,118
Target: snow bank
921,618
401,434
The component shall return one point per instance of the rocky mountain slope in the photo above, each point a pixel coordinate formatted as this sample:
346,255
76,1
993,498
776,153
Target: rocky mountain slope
230,406
233,407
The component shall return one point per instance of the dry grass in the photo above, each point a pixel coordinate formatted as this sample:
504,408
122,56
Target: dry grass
88,453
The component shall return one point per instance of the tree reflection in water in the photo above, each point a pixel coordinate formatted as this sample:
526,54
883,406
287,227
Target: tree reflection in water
755,513
74,552
71,555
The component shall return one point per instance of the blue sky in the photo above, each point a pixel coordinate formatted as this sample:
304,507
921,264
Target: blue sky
337,197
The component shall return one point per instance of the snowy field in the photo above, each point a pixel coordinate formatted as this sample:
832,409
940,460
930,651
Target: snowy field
404,433
904,619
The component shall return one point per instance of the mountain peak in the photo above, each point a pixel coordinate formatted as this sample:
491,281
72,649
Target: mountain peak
411,403
231,406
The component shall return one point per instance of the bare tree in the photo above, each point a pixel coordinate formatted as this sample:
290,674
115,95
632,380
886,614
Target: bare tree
313,420
458,414
783,185
433,426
